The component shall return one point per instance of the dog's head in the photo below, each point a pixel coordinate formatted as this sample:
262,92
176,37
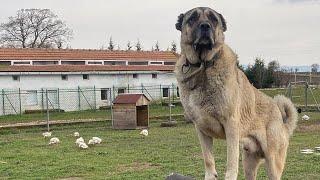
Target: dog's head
201,33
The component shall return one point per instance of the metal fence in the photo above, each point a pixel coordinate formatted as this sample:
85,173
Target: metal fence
81,103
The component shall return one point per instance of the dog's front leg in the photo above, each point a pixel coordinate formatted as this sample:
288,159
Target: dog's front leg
206,143
232,137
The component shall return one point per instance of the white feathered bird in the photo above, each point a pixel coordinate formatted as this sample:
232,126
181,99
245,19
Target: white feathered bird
95,140
144,132
76,134
83,145
54,140
46,134
305,117
79,140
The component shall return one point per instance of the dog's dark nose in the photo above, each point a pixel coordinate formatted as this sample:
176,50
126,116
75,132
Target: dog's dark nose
205,26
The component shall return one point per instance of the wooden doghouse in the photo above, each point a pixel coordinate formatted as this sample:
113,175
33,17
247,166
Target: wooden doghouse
130,111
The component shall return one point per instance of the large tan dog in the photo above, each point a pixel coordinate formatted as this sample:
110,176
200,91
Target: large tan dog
221,102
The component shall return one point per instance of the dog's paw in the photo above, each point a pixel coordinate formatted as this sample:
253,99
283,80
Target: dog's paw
211,176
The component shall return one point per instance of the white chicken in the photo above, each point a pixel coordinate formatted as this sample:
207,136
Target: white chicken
305,117
144,132
54,140
76,134
46,134
79,140
95,140
83,145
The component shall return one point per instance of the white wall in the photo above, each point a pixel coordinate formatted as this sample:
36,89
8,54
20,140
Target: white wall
38,81
69,100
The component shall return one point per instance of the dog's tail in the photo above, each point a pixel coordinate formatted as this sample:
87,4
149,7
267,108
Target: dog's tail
288,112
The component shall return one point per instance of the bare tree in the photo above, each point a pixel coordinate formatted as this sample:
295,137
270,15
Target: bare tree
156,46
173,47
138,46
35,28
111,45
129,46
314,68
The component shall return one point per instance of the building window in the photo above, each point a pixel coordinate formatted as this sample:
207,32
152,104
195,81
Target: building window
104,93
154,76
64,77
169,63
135,76
94,62
5,63
73,62
16,78
32,98
165,92
114,62
44,62
22,63
121,90
85,76
139,63
156,62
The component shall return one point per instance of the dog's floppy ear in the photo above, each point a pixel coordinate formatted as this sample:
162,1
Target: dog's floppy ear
179,23
223,21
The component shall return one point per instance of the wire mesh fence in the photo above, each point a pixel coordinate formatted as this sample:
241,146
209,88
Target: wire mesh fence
50,105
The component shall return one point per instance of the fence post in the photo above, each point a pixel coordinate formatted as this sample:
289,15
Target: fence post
141,88
290,91
306,94
128,88
113,95
79,98
169,104
172,93
42,103
160,93
20,105
94,96
3,104
48,116
58,91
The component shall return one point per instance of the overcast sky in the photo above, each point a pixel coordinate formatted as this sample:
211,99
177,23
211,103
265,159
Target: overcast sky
283,30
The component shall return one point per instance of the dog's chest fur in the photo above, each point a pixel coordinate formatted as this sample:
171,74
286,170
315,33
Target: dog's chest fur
206,98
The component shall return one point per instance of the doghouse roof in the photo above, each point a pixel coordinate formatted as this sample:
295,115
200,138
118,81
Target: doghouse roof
138,99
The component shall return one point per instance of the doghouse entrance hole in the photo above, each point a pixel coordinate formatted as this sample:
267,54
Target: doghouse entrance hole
142,115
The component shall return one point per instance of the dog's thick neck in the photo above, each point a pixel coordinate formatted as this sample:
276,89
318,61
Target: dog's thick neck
197,57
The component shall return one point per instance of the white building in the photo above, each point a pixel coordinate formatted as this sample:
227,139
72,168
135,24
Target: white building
80,79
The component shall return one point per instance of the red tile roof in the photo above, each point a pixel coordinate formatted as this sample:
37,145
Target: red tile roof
82,68
82,54
128,98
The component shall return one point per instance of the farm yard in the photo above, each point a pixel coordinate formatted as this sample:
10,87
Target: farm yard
125,154
128,155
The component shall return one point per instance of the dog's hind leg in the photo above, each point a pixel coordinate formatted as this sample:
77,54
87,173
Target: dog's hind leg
251,164
206,143
251,157
275,162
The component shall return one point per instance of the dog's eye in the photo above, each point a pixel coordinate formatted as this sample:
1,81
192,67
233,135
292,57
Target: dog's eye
193,18
213,18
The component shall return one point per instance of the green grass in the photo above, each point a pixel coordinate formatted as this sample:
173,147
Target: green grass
126,155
